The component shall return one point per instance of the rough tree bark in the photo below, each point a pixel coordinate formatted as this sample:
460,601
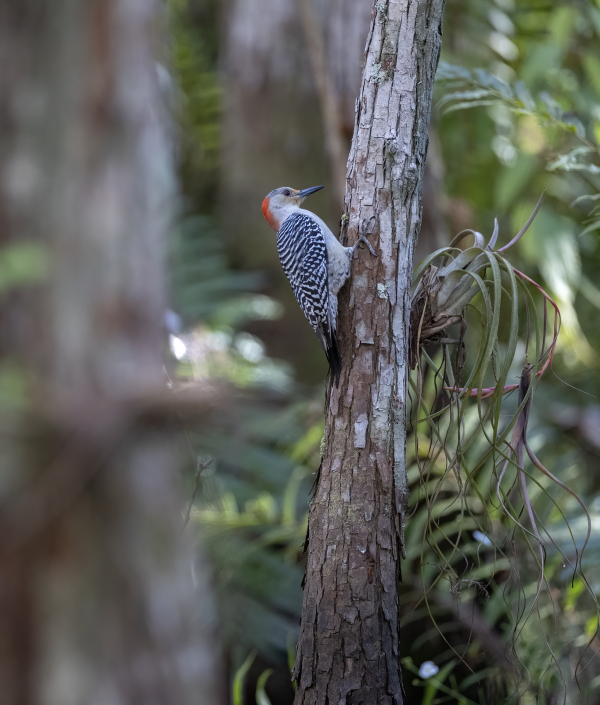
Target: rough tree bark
348,649
97,603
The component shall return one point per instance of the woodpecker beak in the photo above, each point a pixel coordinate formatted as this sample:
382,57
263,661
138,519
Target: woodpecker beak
307,191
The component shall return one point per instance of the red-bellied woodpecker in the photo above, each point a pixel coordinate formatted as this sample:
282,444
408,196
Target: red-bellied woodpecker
315,262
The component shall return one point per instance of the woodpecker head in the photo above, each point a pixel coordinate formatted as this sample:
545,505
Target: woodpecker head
278,204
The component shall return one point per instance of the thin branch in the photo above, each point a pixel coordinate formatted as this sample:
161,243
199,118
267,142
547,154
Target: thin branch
199,470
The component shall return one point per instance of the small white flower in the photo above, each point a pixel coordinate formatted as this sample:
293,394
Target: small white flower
428,669
481,538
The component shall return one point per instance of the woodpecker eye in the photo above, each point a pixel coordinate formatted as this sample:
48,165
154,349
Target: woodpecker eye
286,192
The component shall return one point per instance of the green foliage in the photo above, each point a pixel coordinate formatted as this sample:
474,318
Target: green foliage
194,24
21,264
250,509
214,303
252,515
237,697
534,125
465,440
544,107
204,288
261,696
481,88
238,680
201,95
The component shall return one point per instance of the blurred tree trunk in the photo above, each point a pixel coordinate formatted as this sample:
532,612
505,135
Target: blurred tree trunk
349,639
97,603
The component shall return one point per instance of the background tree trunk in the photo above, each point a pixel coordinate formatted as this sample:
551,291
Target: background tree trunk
349,640
97,602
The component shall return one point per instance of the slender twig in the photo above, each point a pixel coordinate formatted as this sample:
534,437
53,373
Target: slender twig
199,470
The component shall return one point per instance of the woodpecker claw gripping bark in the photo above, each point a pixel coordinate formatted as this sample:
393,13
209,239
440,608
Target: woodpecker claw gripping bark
315,262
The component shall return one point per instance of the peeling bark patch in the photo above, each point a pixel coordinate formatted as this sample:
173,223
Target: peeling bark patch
360,431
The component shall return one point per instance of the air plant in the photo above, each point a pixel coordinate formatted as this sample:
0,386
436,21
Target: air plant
445,286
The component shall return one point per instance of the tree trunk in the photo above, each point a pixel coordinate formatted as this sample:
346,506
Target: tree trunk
349,640
97,602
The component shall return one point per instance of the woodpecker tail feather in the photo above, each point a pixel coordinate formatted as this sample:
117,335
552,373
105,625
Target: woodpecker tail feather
329,343
334,358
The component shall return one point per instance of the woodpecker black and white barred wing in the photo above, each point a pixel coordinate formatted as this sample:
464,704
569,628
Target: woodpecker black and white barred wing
303,256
